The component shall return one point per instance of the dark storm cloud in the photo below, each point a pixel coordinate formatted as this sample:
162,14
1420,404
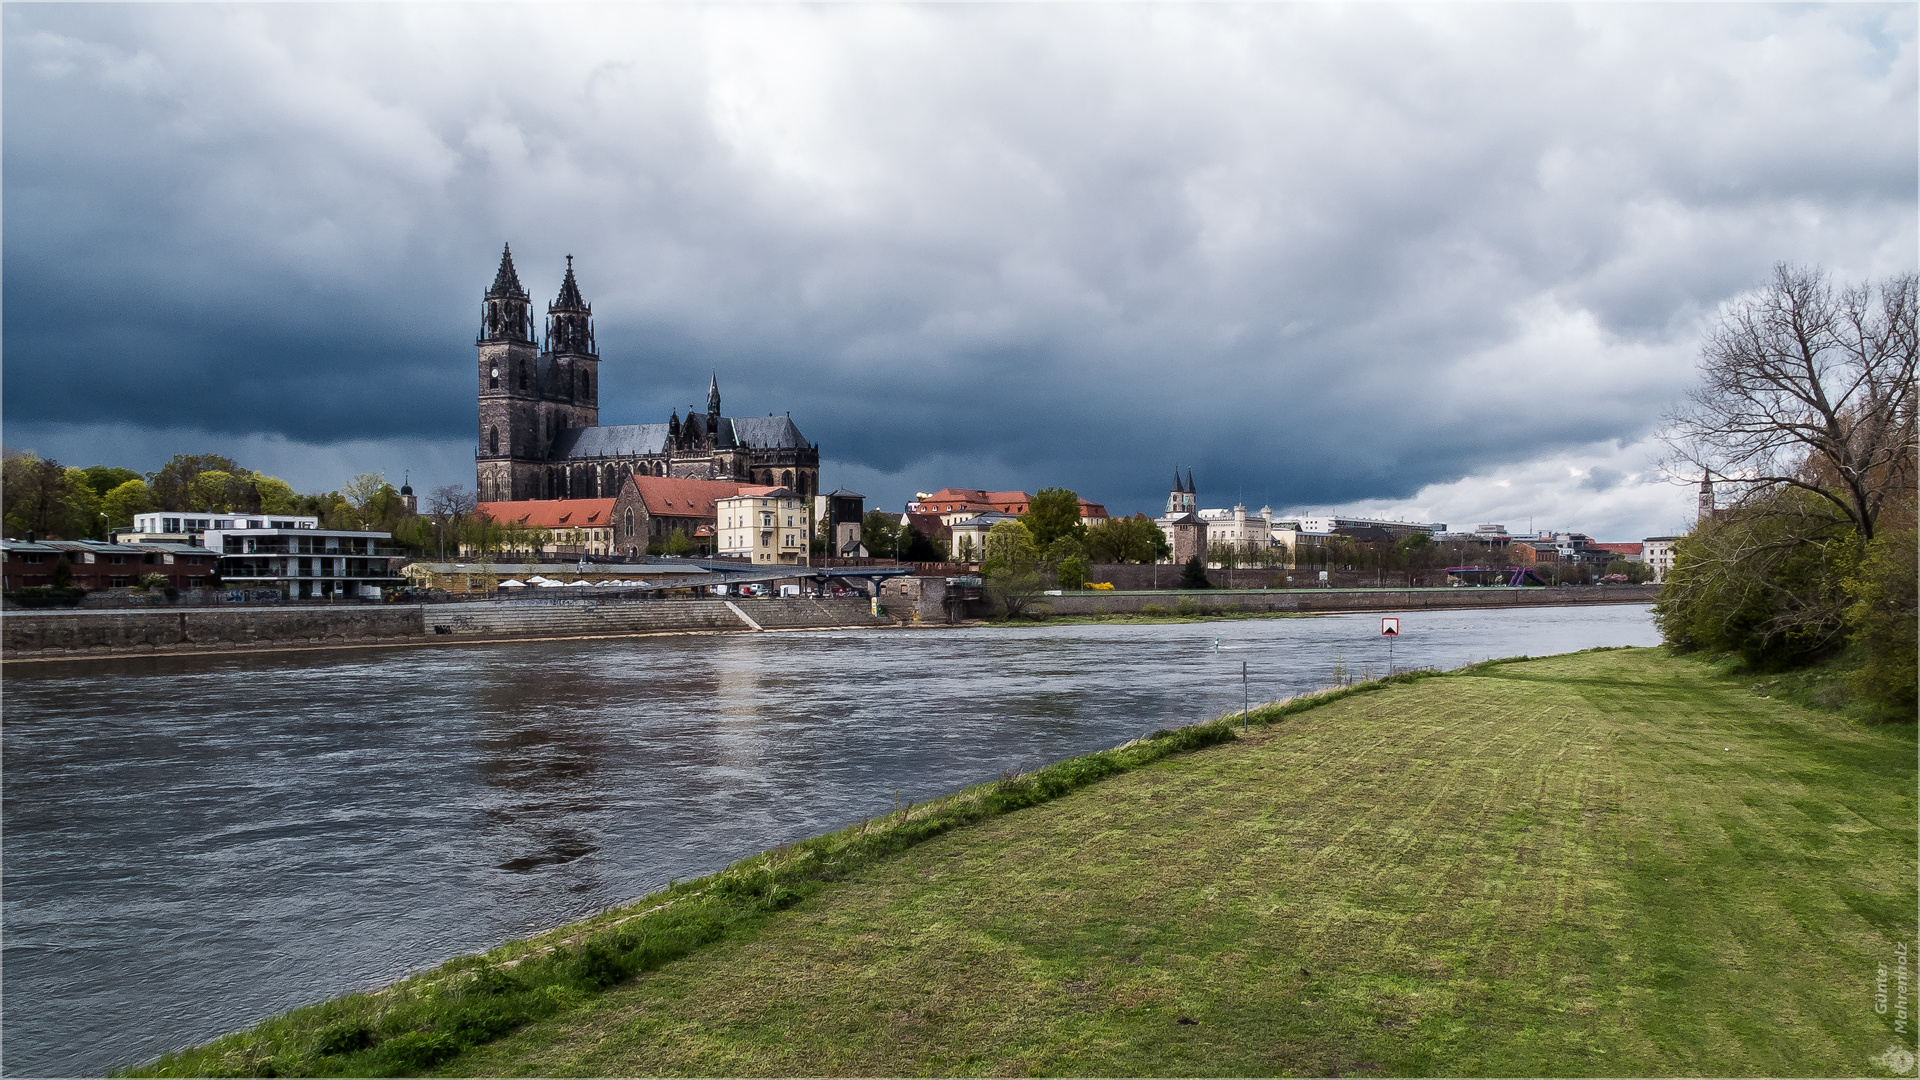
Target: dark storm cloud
1321,254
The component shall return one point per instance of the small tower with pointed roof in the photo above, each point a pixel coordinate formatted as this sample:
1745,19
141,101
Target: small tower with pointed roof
1706,497
1182,499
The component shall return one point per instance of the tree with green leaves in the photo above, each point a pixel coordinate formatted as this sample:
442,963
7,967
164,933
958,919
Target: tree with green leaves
1127,540
1051,514
1194,574
130,498
1011,572
1072,572
881,534
104,478
172,481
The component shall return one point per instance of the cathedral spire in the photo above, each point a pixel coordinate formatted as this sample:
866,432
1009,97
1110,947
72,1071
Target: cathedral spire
713,396
507,282
570,319
569,299
1191,490
506,314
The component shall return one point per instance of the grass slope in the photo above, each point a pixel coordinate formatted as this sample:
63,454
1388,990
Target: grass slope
1610,863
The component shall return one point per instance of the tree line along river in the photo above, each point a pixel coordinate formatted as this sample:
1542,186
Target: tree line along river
196,843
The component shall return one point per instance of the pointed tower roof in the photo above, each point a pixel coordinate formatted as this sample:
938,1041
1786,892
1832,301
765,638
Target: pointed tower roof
1176,479
1190,488
569,299
506,282
713,394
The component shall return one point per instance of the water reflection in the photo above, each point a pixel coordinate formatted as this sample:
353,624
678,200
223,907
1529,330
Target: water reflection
195,843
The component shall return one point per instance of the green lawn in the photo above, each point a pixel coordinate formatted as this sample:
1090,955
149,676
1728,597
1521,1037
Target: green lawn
1611,863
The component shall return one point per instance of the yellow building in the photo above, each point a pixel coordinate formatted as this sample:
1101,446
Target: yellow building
765,525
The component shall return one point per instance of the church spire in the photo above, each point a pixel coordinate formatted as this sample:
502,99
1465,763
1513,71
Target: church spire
1191,490
507,282
713,395
570,319
506,313
569,299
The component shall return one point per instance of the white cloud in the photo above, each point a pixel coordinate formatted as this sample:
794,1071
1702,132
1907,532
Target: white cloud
1610,491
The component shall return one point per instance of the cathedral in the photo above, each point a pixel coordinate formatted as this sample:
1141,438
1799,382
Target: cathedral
540,432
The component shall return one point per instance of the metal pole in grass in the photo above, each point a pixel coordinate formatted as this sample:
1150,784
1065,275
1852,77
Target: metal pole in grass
1246,700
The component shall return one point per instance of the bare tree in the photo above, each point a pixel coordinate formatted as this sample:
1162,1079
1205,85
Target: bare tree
450,500
1808,388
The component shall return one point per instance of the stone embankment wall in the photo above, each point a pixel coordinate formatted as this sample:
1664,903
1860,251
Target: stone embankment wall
1331,600
28,635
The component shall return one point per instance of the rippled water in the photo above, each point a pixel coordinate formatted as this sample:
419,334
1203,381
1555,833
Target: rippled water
195,843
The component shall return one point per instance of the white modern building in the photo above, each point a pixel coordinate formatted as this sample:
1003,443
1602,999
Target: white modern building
304,561
1329,523
1657,552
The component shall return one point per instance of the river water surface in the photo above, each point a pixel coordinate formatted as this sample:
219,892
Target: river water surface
195,843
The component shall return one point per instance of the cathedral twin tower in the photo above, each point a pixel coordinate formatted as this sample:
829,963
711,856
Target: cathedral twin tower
540,433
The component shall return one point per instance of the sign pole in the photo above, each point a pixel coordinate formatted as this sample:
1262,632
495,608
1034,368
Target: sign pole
1246,700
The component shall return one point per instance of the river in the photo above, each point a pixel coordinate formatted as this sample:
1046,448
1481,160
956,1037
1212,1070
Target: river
195,843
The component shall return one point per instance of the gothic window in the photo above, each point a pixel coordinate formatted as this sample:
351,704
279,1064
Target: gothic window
786,479
629,521
583,384
493,441
523,374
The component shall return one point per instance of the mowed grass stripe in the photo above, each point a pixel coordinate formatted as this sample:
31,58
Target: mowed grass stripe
1610,863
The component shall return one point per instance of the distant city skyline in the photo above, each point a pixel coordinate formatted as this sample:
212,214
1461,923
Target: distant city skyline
1432,263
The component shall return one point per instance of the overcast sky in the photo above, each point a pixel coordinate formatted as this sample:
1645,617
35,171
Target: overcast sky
1436,262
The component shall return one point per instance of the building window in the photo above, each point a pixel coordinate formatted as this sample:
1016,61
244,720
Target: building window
117,582
493,377
493,441
523,374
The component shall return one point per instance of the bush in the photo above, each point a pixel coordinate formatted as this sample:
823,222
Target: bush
1194,574
1152,610
1883,623
1073,572
1763,581
417,1050
343,1038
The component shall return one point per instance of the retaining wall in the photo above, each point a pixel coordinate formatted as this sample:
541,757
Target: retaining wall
63,634
39,633
1114,603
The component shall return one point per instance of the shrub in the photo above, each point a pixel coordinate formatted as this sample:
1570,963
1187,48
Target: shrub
417,1050
1194,574
343,1038
1882,622
1152,610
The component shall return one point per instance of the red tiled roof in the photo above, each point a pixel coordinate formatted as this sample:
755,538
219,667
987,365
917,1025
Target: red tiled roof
1619,549
552,513
929,525
671,496
949,500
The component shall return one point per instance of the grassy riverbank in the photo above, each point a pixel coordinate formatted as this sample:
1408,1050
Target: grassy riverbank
1610,863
